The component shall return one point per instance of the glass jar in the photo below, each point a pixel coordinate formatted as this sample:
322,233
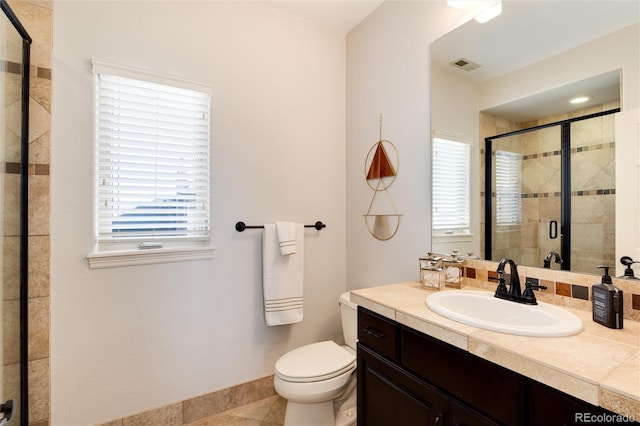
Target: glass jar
453,270
431,272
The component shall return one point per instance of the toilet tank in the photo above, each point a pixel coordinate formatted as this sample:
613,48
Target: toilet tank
349,315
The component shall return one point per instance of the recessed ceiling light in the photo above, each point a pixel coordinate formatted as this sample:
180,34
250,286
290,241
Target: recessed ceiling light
579,99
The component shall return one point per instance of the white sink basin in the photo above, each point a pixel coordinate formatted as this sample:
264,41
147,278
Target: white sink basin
482,310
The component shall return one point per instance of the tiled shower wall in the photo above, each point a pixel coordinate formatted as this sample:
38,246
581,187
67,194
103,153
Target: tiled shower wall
36,17
593,188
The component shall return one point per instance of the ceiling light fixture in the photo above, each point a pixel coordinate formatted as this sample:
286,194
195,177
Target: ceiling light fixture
579,99
490,12
488,9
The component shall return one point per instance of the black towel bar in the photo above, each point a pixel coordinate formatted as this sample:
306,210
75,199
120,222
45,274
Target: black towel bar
240,226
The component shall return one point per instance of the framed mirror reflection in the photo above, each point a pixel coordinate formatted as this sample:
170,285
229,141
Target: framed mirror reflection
523,78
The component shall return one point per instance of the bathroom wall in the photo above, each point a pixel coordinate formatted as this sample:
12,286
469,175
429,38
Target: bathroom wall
388,74
125,340
456,116
610,52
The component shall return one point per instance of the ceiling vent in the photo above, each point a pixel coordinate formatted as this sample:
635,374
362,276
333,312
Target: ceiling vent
464,64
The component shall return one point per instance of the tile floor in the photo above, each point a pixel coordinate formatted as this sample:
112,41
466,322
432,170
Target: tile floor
265,412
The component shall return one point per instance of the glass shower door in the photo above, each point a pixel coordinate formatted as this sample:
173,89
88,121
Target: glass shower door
526,196
14,92
553,191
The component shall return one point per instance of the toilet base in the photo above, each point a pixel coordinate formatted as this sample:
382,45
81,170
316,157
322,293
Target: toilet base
339,412
346,410
317,414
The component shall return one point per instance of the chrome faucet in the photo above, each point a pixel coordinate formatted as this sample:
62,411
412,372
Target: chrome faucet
550,255
514,293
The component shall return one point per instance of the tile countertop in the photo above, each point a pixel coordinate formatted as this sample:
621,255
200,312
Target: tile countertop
598,365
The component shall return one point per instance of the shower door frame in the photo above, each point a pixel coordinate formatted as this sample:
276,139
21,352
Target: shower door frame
565,183
24,210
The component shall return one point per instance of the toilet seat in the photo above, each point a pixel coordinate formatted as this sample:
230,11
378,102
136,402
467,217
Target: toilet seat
315,362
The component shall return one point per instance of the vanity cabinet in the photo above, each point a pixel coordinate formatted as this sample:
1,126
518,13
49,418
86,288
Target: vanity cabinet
546,403
407,378
390,395
393,388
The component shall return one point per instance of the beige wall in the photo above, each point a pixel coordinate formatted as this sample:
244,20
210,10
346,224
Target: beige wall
388,74
149,335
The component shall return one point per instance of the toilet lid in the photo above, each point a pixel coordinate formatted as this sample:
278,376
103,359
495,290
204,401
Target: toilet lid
315,362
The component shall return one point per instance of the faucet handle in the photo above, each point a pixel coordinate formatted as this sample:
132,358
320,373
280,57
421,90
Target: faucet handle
502,287
534,286
528,294
532,283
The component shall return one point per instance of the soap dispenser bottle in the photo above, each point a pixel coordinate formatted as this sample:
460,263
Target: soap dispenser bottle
607,302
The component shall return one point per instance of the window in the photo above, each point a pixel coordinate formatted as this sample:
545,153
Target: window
450,186
152,160
508,188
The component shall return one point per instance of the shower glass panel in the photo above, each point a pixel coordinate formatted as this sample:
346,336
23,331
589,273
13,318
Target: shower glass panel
553,190
526,206
593,193
14,92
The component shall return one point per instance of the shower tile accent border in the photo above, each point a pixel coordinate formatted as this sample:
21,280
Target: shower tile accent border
200,407
584,192
563,289
34,169
635,301
16,68
585,148
579,292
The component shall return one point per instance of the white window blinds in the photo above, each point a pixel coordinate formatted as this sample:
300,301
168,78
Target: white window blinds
508,188
152,161
450,185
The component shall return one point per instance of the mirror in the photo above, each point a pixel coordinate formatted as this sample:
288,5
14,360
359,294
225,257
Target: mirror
504,75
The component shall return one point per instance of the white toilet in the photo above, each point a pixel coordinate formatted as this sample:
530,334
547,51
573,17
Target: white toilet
319,380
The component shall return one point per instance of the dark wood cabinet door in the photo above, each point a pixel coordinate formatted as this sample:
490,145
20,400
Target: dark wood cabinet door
388,395
549,406
489,388
461,415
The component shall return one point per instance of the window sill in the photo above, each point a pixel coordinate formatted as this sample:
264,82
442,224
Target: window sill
113,259
459,237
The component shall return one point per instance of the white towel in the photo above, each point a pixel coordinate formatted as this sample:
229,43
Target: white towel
282,278
286,237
